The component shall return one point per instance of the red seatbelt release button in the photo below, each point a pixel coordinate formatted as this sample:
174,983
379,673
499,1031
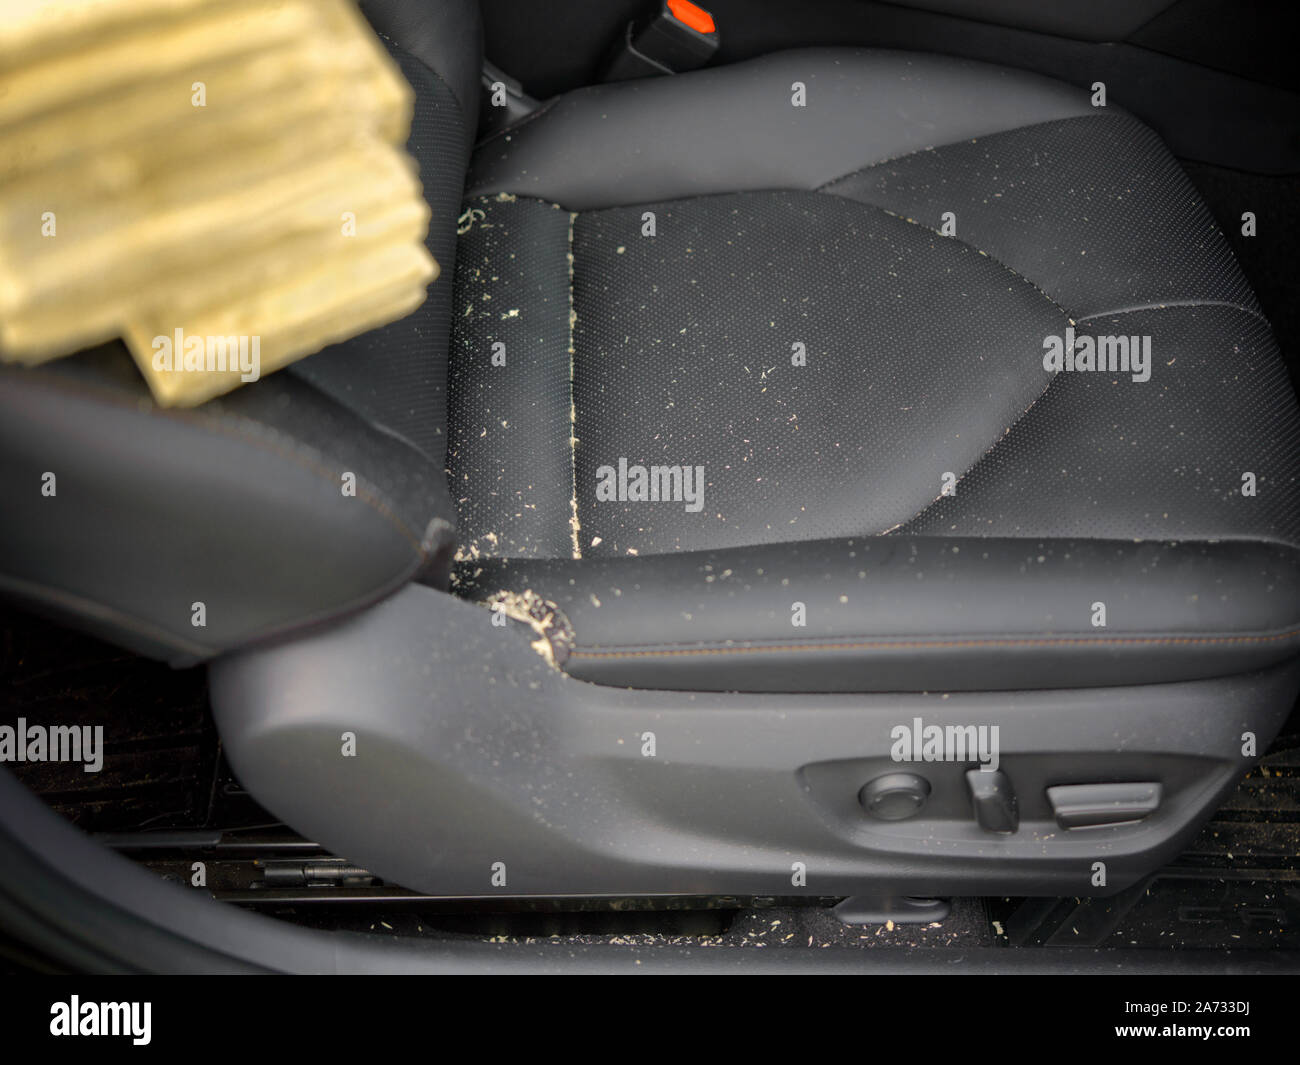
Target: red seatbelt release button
692,16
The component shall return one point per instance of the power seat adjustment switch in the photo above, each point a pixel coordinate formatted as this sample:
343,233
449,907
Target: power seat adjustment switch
1102,805
895,796
994,800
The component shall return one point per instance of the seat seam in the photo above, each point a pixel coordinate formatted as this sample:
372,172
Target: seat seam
574,526
1162,305
980,458
1025,414
825,187
1033,403
864,645
957,240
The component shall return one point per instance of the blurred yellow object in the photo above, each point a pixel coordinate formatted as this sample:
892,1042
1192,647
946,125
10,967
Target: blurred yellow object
221,183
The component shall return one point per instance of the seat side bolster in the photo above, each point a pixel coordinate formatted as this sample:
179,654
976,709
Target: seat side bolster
121,517
658,139
447,37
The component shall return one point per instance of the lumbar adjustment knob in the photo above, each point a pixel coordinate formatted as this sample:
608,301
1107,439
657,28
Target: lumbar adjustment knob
895,796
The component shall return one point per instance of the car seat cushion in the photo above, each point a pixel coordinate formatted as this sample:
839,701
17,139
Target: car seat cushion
922,294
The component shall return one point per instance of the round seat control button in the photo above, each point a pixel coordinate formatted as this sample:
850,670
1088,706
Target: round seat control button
895,796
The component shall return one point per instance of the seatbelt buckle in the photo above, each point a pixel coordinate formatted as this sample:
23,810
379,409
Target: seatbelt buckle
679,36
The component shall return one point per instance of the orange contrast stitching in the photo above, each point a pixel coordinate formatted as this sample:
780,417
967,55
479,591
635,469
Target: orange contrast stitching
910,644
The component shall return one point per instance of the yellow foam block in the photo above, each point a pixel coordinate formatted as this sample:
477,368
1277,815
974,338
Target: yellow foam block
223,177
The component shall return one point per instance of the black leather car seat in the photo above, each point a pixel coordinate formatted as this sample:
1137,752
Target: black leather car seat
923,408
839,310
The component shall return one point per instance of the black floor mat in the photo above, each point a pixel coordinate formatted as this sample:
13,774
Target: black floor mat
158,739
1236,886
